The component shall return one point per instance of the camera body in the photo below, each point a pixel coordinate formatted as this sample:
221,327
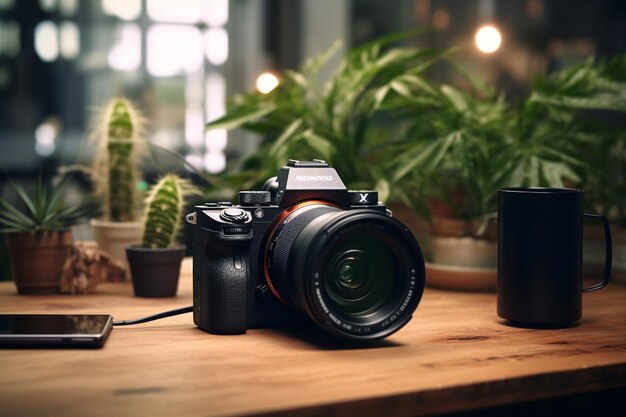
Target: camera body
234,247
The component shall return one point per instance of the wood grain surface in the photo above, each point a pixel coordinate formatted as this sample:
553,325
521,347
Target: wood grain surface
454,355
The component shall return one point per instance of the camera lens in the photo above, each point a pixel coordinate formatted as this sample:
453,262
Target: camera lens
357,278
356,273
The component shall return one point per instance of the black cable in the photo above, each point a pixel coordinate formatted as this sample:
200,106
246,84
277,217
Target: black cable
154,316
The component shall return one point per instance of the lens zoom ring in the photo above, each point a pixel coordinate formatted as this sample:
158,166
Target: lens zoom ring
288,232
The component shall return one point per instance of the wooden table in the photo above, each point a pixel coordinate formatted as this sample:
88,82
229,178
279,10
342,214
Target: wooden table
454,355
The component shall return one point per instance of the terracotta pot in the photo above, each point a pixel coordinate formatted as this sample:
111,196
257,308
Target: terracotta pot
37,260
114,237
155,271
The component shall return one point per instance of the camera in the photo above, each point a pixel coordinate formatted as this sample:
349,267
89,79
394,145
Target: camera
304,247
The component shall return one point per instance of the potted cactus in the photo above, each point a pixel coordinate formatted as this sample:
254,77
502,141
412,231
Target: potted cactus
38,235
118,133
155,264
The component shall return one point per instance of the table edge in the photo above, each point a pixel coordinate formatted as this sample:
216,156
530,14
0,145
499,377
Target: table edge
474,396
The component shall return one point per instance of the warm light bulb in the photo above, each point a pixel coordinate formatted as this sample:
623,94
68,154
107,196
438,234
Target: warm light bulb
488,39
266,82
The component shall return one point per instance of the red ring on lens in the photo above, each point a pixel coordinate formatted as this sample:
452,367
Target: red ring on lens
279,219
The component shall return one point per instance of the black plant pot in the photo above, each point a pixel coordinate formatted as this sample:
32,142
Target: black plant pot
155,271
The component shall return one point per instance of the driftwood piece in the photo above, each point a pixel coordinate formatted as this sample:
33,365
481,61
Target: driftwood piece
87,266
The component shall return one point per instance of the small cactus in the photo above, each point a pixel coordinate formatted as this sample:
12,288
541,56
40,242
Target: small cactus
119,130
164,211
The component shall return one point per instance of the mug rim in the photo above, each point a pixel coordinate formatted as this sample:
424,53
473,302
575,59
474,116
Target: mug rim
539,190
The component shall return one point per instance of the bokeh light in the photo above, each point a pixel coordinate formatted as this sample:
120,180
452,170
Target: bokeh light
266,82
488,39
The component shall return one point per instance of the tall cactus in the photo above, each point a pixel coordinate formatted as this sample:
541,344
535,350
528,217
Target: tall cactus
164,211
119,130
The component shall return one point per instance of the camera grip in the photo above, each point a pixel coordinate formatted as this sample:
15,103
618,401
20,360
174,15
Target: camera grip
220,290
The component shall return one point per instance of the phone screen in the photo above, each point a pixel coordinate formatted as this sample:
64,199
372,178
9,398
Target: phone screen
70,330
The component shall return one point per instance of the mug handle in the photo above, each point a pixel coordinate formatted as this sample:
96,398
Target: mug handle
608,253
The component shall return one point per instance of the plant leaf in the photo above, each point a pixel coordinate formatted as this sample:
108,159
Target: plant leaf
322,146
287,135
242,116
28,202
15,216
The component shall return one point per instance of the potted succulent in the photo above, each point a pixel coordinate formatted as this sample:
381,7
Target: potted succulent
38,235
118,131
155,263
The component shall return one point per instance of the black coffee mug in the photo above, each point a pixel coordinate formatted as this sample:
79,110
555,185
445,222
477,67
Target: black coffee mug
540,235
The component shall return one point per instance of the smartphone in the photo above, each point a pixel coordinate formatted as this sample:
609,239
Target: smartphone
54,330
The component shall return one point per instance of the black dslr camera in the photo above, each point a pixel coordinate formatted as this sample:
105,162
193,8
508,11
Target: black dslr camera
304,243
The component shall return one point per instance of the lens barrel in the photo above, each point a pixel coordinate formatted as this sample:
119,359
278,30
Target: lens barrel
358,274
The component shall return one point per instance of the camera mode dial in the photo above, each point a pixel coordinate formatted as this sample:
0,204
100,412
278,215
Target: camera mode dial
234,215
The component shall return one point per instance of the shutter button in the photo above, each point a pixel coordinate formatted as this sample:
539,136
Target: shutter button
235,215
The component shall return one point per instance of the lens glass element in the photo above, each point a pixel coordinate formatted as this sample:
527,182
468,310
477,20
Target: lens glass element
359,275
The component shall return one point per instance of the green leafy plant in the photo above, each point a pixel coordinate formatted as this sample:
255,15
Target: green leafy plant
605,189
577,93
446,151
41,210
338,121
591,85
118,131
461,147
164,211
382,122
